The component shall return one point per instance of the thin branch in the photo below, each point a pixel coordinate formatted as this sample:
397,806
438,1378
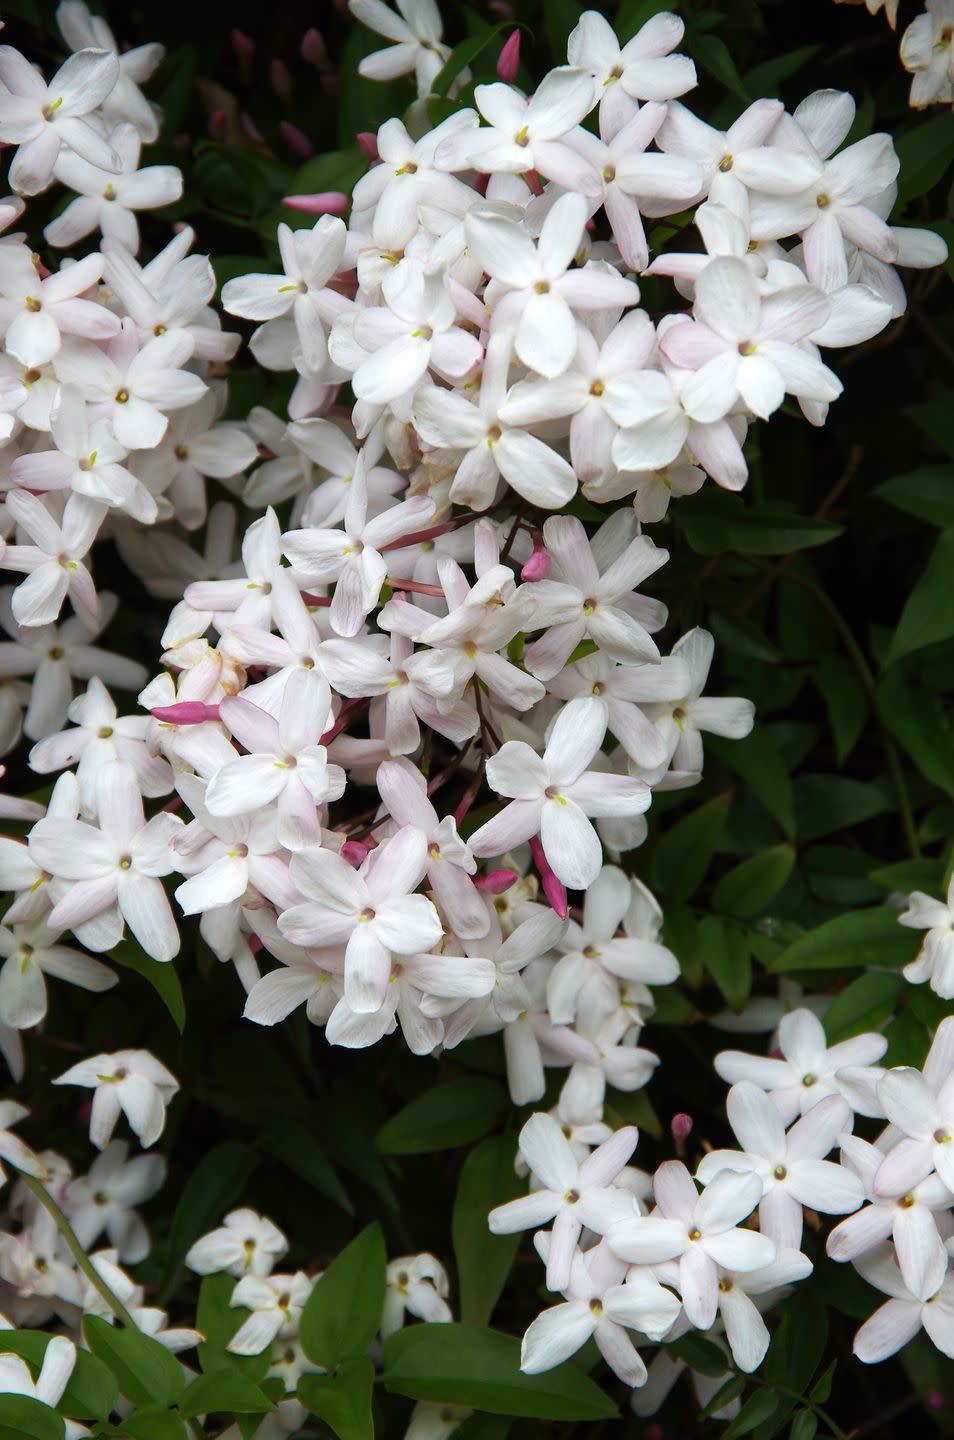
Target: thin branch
75,1248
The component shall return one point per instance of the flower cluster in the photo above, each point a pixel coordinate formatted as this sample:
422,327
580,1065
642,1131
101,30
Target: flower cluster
927,49
659,1257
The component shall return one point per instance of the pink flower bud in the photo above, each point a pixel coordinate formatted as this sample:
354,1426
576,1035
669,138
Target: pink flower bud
280,76
296,140
553,889
356,852
934,1400
254,942
182,141
323,202
250,128
501,10
313,49
217,124
495,882
330,82
243,45
681,1126
185,712
367,144
538,566
509,61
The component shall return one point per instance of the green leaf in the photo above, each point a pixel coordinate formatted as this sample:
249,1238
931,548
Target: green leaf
161,976
863,1005
700,1354
749,888
560,17
218,1321
147,1373
684,851
757,1408
714,521
152,1423
342,1400
467,1365
804,1426
23,1418
867,937
766,78
928,615
921,721
925,151
214,1186
821,1390
464,55
757,760
91,1390
927,493
487,1179
455,1113
824,803
343,1312
297,1148
845,701
714,55
910,875
725,1394
728,960
936,419
226,1391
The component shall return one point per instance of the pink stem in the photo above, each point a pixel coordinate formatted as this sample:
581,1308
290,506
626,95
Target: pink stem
418,587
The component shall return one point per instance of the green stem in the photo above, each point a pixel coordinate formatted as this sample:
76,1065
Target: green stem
857,658
75,1248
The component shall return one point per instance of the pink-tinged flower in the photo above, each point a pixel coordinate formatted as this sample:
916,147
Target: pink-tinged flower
415,33
118,864
789,1164
129,1081
642,69
927,54
575,1193
592,595
285,763
935,959
371,911
627,691
742,347
137,63
297,306
135,384
682,722
807,1070
900,1318
909,1219
700,1232
925,1118
525,135
554,794
35,314
41,118
107,201
351,556
602,1302
54,562
410,176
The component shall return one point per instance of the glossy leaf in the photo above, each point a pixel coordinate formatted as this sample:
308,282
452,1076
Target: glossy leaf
455,1113
343,1312
146,1372
487,1179
342,1400
866,937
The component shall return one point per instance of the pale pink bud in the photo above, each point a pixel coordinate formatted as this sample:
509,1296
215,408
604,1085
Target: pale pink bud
501,10
538,566
250,128
280,76
323,202
217,124
509,61
495,882
296,140
934,1400
313,49
356,852
186,712
680,1127
367,144
242,44
553,889
254,943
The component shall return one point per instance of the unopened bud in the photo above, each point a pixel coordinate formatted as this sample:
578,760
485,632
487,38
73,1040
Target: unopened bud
217,124
250,128
367,144
538,566
356,852
243,45
280,76
680,1127
508,62
323,202
934,1400
313,49
553,889
296,140
495,882
185,712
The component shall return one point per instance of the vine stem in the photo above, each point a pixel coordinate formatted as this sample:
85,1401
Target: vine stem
75,1248
857,657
